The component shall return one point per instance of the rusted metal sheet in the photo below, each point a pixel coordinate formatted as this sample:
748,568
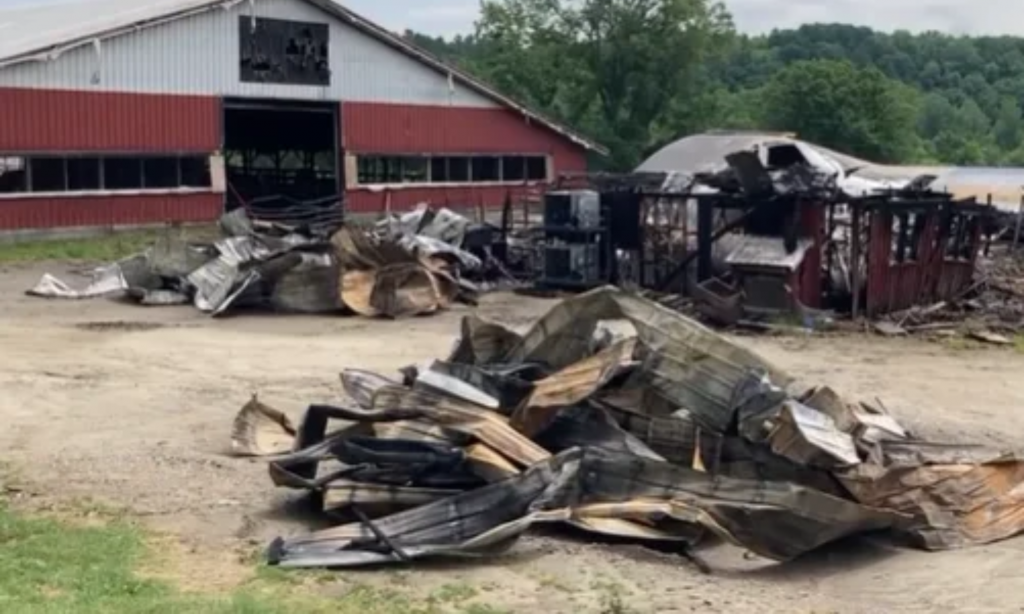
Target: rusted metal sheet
957,495
56,121
571,385
111,210
384,279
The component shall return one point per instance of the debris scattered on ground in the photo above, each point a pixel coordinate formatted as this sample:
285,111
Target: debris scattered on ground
408,265
672,435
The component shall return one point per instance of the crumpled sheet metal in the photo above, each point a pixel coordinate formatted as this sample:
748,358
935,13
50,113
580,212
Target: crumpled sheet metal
310,287
260,430
487,426
378,278
483,343
810,437
131,272
571,385
787,521
687,363
957,495
673,436
109,282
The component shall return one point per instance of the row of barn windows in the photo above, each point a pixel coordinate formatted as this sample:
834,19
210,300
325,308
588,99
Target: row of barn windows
380,169
84,173
954,237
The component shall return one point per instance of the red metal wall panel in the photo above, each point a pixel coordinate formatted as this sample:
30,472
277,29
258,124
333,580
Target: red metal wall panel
34,120
812,221
395,128
70,212
929,276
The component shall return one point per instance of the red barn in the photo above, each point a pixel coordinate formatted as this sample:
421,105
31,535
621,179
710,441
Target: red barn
121,112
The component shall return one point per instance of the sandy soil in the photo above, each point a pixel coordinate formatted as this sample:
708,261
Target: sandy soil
133,406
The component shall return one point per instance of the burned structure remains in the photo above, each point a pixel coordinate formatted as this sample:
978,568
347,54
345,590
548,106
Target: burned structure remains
670,436
762,236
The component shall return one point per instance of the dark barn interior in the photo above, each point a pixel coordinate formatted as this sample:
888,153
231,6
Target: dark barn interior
278,154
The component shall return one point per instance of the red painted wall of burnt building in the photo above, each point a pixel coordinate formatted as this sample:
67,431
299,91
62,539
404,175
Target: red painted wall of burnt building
56,121
397,129
928,276
110,210
53,121
49,121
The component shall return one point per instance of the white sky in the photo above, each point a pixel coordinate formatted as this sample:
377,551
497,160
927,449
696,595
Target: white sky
447,17
953,16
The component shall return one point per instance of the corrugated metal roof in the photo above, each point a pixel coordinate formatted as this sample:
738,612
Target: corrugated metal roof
707,151
45,31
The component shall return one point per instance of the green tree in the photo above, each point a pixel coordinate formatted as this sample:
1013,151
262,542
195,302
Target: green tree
1009,125
613,66
836,104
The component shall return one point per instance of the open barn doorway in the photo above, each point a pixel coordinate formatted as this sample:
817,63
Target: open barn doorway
281,158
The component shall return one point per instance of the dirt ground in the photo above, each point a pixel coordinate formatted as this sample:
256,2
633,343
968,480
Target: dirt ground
133,406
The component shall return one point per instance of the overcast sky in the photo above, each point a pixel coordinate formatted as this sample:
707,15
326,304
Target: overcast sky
954,16
447,17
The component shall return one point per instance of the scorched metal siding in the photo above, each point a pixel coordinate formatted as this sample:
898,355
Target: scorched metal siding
200,55
62,121
108,210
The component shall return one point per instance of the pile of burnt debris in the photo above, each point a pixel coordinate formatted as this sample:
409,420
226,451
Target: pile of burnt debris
413,264
668,435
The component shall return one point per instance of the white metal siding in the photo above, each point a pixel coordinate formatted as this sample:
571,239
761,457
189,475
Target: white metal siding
200,55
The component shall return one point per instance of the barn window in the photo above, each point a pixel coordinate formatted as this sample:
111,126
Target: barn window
447,169
195,172
122,173
282,51
84,174
13,177
90,173
513,168
458,169
537,168
160,172
47,175
486,169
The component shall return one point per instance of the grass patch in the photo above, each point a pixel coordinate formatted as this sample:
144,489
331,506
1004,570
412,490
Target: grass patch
104,248
48,566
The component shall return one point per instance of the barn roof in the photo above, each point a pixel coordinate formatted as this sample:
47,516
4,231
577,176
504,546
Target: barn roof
42,32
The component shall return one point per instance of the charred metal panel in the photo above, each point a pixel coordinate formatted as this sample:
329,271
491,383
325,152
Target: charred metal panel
111,210
201,55
284,51
62,121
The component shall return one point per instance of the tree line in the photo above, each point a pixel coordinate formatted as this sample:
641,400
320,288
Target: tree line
636,74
